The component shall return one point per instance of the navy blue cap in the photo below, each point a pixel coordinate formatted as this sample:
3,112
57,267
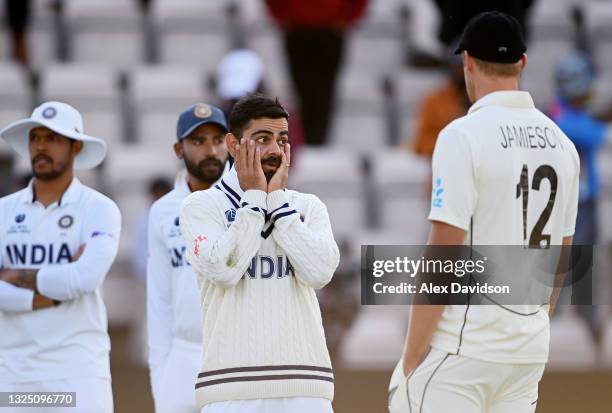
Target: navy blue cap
196,115
493,37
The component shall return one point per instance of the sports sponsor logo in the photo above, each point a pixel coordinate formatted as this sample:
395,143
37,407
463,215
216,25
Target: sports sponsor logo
196,246
436,196
20,218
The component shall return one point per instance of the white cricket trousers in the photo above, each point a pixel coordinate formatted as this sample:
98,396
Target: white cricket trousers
281,405
174,392
446,382
93,395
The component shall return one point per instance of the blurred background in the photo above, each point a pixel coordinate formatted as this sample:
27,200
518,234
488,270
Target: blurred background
369,84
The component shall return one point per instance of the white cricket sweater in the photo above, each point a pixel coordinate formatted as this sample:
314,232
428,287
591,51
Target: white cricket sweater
259,258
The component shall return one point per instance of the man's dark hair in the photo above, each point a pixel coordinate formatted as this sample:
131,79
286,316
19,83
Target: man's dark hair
254,106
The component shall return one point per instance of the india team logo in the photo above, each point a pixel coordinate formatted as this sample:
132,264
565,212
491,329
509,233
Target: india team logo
230,215
202,111
20,218
65,221
49,113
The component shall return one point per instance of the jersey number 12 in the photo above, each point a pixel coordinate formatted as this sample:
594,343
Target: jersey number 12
537,239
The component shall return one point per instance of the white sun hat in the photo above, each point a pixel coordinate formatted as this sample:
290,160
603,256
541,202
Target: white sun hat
63,119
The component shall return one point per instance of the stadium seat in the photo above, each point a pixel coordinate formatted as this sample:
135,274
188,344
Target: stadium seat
356,132
192,31
382,18
401,181
412,86
605,358
571,345
551,19
359,53
93,90
361,349
15,97
335,177
539,76
158,94
108,32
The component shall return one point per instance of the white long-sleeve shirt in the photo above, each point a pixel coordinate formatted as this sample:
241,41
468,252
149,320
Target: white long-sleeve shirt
71,339
173,300
259,258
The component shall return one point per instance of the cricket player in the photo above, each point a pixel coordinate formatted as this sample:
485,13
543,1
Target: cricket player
260,251
173,301
504,174
58,239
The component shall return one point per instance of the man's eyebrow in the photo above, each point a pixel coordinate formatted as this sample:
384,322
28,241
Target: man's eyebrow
263,131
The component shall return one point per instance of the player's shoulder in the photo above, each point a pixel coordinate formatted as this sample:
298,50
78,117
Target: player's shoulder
303,198
208,198
93,202
8,201
456,131
168,203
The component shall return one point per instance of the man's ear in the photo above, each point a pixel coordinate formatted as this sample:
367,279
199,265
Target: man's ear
231,141
523,61
468,62
178,150
77,147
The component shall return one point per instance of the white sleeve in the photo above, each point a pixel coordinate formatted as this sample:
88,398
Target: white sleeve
159,301
311,248
572,201
15,299
217,253
453,197
101,238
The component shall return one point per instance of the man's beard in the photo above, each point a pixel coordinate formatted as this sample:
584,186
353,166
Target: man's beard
201,174
272,161
57,170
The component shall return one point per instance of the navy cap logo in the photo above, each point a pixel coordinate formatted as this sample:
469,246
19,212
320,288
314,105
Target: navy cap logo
202,111
502,49
49,113
65,221
230,215
20,218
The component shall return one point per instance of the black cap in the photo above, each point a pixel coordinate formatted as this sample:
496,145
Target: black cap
494,37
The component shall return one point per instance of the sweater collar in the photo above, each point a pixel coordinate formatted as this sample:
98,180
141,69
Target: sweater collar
230,186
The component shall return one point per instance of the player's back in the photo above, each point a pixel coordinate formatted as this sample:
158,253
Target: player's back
523,171
507,175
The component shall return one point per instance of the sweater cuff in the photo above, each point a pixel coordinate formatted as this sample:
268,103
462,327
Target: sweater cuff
254,199
277,199
278,205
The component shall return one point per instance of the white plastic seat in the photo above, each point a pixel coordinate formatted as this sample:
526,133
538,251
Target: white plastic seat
192,31
379,54
376,338
411,87
359,132
401,179
571,345
109,32
93,90
158,95
335,177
